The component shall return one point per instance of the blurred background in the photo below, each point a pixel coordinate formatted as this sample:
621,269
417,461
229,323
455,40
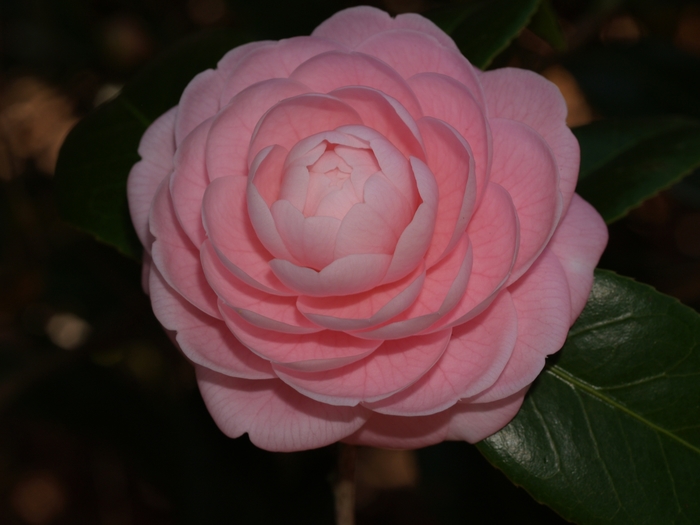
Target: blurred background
100,418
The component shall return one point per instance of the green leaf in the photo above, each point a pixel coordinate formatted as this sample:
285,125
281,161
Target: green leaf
626,161
99,152
610,432
545,25
484,28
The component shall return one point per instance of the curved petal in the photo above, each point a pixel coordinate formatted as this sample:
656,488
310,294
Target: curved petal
233,127
399,432
309,352
473,422
475,357
271,312
542,300
337,69
354,25
385,115
363,230
199,102
156,149
273,60
448,100
225,218
443,287
524,165
451,161
578,244
416,238
297,118
524,96
189,181
203,339
410,52
494,235
350,275
275,417
364,310
392,367
234,57
176,257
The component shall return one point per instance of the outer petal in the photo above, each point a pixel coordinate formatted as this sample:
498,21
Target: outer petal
354,25
410,52
274,60
275,416
399,432
310,352
198,102
475,357
578,243
176,257
204,340
542,300
392,367
156,149
474,422
527,97
524,165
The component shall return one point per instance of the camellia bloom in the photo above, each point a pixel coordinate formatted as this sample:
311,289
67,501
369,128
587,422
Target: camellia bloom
357,236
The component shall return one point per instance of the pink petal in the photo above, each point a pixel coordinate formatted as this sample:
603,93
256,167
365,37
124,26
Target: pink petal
198,102
398,432
493,232
450,160
381,196
355,312
234,57
475,357
363,230
350,275
274,60
337,69
473,422
541,298
524,165
392,367
578,243
156,149
415,239
309,352
310,239
225,218
444,285
203,339
385,115
272,312
421,24
267,173
189,181
448,100
527,97
410,53
297,118
229,139
275,416
176,257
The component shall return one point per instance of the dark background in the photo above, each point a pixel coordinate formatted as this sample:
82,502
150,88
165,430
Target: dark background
100,418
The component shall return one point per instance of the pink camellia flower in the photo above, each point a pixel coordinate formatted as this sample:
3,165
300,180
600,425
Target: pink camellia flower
358,236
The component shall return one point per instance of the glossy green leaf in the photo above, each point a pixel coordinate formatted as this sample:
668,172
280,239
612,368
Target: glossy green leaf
610,432
626,161
484,28
99,152
545,25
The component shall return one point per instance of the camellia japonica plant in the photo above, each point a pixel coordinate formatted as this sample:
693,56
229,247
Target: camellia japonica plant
359,236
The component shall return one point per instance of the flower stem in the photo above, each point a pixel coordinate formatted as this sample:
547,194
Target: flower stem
345,485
